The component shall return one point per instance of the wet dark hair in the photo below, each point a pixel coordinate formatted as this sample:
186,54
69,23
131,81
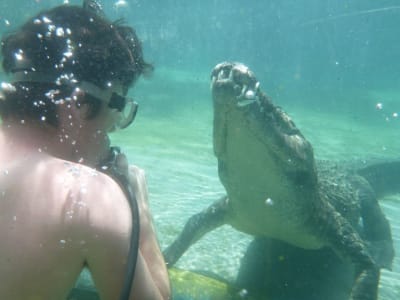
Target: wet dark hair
67,43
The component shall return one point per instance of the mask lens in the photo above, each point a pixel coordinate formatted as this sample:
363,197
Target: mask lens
117,102
126,107
128,114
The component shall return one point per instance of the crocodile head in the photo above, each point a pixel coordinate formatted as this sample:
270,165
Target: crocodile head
260,151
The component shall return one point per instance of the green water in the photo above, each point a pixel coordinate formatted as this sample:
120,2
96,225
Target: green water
173,143
328,63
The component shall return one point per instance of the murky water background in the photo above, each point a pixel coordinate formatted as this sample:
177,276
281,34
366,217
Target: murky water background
333,65
174,146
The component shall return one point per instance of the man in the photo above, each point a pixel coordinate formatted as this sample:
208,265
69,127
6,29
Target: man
70,70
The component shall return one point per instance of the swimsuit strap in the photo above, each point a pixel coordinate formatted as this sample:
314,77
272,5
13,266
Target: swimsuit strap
109,167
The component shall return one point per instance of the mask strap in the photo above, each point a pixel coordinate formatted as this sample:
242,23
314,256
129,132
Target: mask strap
40,77
29,76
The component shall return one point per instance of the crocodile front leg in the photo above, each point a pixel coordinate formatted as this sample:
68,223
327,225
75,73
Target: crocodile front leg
195,228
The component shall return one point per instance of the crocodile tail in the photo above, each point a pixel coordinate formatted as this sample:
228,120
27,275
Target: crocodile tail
384,177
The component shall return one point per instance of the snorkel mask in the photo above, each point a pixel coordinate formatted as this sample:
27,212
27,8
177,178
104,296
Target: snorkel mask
123,104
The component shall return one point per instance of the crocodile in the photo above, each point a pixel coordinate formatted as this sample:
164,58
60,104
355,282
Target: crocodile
276,189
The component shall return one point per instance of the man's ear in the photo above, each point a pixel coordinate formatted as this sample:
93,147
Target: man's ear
82,106
83,109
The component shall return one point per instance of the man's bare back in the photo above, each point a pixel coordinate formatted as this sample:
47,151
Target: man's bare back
58,216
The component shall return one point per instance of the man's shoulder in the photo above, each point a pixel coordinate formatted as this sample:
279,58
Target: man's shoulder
70,170
76,179
101,195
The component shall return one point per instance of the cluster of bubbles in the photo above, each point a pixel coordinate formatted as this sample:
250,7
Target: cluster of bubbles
59,32
21,59
379,107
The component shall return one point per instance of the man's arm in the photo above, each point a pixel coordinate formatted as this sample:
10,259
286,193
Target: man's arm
106,236
149,246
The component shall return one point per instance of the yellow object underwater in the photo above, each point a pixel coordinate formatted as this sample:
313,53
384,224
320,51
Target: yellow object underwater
186,285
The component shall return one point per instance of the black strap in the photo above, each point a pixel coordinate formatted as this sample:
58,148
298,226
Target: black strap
110,168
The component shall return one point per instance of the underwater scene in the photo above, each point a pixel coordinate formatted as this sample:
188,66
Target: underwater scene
333,67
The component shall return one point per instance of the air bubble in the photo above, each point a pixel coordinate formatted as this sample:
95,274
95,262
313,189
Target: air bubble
19,55
74,171
120,4
93,172
68,54
50,94
46,20
70,214
60,31
8,87
243,293
269,202
58,102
